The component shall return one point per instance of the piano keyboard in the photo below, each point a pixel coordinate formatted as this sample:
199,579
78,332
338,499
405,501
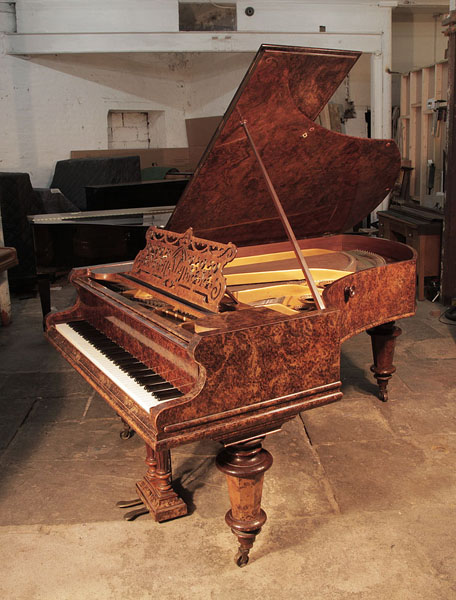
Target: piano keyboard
132,376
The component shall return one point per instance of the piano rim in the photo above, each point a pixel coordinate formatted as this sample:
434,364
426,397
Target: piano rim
217,426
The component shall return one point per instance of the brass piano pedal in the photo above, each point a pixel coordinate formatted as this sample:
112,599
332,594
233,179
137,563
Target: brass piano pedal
133,514
129,503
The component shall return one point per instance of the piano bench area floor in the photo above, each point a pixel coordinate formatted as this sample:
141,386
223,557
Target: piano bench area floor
361,498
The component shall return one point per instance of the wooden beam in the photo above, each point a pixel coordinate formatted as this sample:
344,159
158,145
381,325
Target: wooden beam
182,41
449,231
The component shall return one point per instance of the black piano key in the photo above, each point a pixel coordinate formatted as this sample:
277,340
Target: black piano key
137,369
127,360
148,378
103,341
119,359
99,342
158,387
125,369
92,332
84,326
168,394
113,351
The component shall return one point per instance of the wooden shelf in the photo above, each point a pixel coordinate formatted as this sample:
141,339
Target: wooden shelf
420,141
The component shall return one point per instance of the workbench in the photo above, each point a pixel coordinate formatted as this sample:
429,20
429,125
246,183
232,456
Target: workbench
420,228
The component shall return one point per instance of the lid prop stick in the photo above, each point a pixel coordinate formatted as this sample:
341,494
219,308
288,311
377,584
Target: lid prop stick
286,224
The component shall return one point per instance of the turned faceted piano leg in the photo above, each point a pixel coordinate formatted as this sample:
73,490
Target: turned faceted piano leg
155,490
383,340
244,465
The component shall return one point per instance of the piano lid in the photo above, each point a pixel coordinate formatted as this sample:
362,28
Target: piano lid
327,182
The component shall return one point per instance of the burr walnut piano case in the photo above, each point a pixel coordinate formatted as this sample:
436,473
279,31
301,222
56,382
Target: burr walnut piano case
217,332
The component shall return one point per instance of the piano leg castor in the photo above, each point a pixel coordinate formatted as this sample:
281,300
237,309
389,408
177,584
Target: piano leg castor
244,465
383,340
127,432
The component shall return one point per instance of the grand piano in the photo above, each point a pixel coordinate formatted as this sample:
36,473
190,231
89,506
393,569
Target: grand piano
230,321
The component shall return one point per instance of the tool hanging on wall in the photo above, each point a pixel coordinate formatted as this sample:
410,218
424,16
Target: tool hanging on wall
440,114
430,175
349,107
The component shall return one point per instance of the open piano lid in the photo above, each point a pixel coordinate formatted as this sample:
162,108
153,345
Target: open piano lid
327,182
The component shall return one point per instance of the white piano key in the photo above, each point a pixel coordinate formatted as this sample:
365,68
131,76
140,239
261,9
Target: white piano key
126,383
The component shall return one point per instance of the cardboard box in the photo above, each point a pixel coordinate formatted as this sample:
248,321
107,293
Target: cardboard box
201,130
194,156
199,134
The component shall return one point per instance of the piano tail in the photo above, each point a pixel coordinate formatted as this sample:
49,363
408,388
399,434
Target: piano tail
244,465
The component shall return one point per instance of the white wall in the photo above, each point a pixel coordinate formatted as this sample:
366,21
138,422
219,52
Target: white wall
307,15
83,16
359,89
52,105
418,41
213,79
7,16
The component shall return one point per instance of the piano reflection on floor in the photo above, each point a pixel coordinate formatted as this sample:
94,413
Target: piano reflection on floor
230,329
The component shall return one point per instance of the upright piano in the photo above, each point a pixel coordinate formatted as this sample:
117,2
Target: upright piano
230,321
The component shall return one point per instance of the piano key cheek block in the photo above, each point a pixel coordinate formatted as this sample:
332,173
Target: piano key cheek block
230,321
